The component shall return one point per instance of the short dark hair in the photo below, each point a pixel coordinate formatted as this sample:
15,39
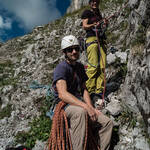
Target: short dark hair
92,0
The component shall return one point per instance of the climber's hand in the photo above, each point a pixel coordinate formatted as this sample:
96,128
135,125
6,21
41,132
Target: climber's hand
92,113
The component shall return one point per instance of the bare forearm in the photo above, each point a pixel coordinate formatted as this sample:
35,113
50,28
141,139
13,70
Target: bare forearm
72,100
66,96
86,25
89,26
87,98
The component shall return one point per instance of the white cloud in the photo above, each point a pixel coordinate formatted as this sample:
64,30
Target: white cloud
32,12
5,24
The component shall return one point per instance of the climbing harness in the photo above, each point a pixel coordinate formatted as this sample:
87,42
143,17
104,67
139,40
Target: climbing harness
95,66
100,30
102,27
103,24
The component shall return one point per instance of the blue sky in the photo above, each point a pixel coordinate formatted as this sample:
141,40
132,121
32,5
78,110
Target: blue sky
18,17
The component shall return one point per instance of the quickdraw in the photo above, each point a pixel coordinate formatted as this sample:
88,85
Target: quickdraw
101,28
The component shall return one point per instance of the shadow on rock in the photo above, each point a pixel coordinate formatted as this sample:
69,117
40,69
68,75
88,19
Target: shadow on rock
114,138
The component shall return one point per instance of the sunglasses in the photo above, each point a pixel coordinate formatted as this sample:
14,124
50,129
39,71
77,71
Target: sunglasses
70,49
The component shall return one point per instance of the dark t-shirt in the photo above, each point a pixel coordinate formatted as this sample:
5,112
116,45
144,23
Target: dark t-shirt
92,17
74,76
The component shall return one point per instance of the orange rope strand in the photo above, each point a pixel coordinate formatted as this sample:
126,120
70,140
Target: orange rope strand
60,138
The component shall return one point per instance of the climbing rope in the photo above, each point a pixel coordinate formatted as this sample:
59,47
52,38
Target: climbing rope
50,96
99,47
102,29
103,25
49,90
60,138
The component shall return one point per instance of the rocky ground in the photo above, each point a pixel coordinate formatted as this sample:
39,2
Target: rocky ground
35,55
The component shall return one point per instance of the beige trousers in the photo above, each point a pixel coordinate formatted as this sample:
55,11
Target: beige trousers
77,124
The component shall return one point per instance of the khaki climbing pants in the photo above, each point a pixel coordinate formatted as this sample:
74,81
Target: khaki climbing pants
77,125
96,65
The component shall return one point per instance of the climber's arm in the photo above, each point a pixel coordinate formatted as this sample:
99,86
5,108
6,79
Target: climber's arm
86,96
87,99
87,26
67,97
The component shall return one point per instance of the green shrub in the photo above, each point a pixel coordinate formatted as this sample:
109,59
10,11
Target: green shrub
127,117
7,72
40,130
140,37
104,3
123,26
112,37
6,111
39,127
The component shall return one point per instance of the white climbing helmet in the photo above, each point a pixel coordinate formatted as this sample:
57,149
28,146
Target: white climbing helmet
69,41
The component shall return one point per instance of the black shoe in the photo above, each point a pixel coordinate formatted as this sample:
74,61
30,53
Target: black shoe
92,95
100,95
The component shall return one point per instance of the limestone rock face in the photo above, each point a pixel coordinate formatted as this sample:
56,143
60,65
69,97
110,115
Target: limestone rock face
34,56
77,4
136,89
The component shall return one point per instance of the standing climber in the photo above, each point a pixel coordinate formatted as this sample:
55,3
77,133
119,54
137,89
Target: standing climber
69,81
96,50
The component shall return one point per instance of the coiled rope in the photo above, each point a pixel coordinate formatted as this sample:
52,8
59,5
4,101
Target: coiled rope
60,138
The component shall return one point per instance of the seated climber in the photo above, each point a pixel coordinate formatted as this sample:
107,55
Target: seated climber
75,112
